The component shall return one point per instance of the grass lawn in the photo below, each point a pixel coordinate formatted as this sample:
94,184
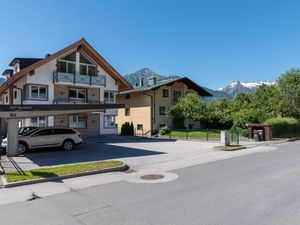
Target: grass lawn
196,134
59,170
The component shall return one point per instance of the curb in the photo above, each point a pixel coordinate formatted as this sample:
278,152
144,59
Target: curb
230,150
124,167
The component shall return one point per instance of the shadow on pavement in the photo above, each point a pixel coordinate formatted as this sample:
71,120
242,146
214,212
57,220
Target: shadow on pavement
91,150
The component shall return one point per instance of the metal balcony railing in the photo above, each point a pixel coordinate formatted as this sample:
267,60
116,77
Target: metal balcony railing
99,80
72,101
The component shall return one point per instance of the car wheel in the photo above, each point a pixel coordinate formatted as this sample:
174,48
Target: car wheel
22,147
68,145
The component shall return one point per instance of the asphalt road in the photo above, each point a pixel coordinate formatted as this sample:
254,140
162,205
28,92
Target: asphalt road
256,189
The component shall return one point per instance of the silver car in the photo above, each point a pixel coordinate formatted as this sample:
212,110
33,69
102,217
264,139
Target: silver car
47,137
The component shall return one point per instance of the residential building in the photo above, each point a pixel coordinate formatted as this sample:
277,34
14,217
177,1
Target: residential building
146,105
77,74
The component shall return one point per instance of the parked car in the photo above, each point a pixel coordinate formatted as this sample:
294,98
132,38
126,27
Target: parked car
47,137
22,130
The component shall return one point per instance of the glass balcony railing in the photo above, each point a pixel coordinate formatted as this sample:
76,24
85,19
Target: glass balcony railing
99,80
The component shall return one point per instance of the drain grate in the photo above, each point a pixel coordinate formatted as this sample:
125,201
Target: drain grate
152,177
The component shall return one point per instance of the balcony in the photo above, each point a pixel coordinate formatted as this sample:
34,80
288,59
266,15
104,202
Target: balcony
59,77
58,101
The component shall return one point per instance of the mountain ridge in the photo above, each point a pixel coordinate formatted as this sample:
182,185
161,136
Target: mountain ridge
230,91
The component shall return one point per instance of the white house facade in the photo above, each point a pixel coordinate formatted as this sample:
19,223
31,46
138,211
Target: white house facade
74,75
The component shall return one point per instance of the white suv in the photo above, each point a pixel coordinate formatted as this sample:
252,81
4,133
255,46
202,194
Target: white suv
47,137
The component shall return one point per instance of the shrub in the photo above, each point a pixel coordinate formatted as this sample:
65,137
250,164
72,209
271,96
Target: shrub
164,130
244,132
283,126
127,129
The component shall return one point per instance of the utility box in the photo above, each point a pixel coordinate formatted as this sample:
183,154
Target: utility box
225,139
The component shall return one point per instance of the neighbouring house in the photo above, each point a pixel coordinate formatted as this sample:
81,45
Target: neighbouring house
76,74
146,105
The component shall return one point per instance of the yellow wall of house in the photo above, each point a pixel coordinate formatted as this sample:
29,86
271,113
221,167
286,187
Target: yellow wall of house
140,111
140,107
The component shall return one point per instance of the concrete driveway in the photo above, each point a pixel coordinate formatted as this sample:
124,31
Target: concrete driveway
138,153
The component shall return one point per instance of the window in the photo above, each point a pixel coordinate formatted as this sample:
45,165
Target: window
36,92
71,57
38,121
140,127
165,93
86,66
109,97
15,94
109,121
127,96
66,67
77,95
44,132
63,131
6,99
78,121
67,64
31,73
162,110
127,111
176,95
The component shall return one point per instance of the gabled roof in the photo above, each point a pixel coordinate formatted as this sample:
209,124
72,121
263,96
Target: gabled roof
24,62
191,84
82,44
8,72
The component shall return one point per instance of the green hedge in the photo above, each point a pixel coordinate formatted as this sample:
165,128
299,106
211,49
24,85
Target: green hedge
283,126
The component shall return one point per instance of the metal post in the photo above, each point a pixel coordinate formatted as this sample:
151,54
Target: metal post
12,137
207,134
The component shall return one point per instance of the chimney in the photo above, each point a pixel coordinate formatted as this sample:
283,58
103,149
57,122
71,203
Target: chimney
152,80
142,82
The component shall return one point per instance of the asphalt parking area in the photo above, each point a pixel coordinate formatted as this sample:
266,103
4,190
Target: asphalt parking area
92,149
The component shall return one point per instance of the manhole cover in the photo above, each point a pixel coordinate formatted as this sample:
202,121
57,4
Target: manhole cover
152,177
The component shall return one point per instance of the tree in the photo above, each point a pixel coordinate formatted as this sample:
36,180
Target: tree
289,92
267,98
219,113
191,107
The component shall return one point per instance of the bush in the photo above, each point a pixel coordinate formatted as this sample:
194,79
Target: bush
127,129
283,126
244,132
164,130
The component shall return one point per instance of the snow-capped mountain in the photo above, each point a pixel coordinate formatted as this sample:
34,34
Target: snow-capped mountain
245,87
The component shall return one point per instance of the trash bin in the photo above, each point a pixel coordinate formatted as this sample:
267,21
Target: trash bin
261,135
256,135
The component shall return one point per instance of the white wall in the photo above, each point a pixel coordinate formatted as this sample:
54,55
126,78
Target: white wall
44,76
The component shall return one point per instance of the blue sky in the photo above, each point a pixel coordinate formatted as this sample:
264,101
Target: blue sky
212,42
